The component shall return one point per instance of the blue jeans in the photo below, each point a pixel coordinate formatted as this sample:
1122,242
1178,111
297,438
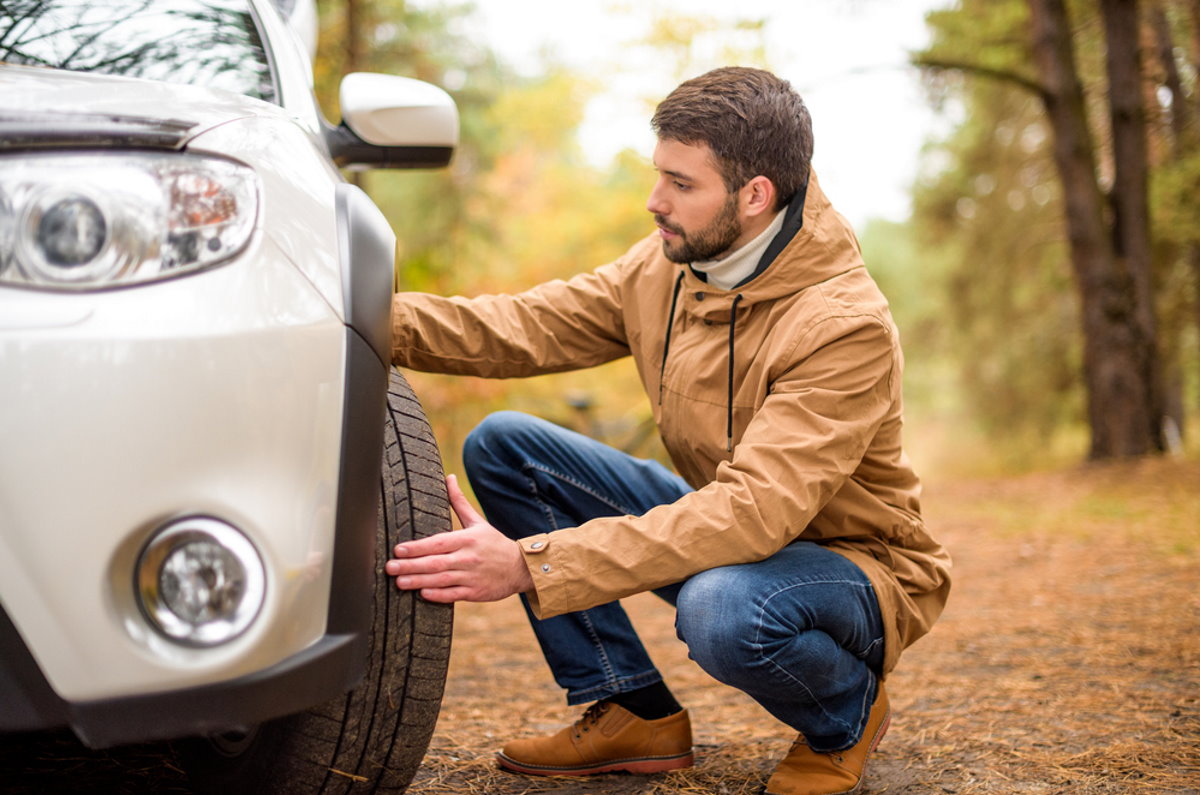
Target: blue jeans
799,632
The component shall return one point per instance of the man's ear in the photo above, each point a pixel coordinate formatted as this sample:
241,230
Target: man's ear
758,196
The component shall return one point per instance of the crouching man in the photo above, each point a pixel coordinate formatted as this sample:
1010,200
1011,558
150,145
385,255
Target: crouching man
789,536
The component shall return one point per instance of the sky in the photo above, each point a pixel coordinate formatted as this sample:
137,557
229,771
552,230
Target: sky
847,58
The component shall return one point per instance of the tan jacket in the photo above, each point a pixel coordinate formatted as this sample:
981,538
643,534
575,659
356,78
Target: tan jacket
815,411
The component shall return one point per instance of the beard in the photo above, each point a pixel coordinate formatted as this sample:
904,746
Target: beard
704,244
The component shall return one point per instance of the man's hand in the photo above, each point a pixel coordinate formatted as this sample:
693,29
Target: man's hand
475,564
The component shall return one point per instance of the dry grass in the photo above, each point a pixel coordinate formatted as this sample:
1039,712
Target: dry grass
1068,659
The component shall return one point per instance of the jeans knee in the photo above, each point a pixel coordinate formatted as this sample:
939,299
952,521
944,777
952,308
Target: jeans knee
713,618
491,440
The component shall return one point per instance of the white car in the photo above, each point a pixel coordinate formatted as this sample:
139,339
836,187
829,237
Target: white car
196,397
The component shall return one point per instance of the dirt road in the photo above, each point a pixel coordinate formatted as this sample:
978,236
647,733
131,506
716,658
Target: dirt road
1068,659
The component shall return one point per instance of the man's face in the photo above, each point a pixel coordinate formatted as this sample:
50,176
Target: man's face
697,218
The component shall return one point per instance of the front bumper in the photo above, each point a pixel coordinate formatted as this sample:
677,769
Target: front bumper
236,393
323,671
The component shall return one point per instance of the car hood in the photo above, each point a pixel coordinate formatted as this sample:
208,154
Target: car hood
52,108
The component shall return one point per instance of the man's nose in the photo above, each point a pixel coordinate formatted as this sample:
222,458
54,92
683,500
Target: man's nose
655,203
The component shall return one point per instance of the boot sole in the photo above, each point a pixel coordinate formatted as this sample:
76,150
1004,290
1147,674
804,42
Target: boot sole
646,764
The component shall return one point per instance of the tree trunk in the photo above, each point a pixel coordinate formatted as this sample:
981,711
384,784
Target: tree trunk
1131,208
1121,401
1181,143
353,42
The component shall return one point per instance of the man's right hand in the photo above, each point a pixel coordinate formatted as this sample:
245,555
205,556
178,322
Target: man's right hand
475,564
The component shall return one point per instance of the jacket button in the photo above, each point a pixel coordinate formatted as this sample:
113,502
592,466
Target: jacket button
699,296
537,545
545,567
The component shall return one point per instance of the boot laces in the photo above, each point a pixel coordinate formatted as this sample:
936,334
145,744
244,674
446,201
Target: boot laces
590,718
801,743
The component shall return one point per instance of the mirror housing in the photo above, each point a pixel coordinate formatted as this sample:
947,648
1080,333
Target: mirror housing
393,122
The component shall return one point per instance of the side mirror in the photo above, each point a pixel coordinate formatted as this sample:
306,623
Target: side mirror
393,122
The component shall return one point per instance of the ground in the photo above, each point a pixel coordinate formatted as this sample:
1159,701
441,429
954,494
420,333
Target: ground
1067,661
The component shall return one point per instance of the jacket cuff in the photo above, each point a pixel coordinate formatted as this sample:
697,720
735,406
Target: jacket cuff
546,571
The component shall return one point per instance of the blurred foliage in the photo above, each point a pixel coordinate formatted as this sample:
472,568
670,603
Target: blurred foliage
695,44
979,280
988,210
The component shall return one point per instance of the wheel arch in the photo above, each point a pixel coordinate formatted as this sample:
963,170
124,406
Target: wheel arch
367,258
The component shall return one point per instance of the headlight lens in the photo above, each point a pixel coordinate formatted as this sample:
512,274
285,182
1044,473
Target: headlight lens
200,582
72,232
83,221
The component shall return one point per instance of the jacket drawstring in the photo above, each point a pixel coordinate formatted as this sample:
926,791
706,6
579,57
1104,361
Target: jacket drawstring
729,402
662,371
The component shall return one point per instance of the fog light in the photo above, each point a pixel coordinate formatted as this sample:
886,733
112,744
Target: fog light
200,581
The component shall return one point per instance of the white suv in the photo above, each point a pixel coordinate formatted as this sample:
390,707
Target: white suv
195,397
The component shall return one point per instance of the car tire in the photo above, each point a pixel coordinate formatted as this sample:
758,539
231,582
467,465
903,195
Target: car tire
373,738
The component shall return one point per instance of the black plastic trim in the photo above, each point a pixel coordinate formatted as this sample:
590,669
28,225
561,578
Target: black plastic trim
349,151
354,561
29,701
45,130
323,671
367,250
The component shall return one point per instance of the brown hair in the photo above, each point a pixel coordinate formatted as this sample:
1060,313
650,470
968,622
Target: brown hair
754,122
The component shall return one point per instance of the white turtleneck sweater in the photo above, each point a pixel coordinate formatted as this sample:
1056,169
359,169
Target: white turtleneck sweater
732,269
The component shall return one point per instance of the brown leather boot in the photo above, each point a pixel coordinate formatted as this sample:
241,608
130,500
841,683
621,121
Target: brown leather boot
805,772
607,738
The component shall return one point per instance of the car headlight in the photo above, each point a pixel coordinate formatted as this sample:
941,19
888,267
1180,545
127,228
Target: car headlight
85,221
200,582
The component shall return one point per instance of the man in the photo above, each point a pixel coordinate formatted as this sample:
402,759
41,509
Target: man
790,542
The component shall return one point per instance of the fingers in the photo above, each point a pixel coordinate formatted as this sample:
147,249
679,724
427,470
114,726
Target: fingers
444,586
426,564
447,595
439,544
462,508
445,542
477,563
431,580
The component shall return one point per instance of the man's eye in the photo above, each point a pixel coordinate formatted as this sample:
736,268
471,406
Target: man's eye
683,186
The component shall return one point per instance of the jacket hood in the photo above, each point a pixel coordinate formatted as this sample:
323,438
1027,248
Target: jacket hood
815,245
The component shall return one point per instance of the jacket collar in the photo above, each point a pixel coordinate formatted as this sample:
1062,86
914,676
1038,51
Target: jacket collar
815,244
793,221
